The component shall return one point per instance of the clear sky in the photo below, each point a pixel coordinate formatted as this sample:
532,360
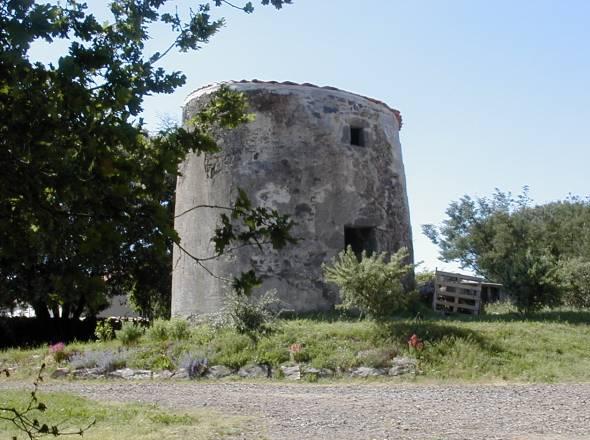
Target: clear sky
493,94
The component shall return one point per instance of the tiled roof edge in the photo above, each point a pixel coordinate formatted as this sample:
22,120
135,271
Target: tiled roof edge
396,112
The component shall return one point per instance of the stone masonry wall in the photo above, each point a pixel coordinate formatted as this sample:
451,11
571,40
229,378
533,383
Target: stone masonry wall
297,157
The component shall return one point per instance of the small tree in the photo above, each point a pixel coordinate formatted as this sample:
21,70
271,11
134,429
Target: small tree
252,315
86,196
574,276
507,240
373,285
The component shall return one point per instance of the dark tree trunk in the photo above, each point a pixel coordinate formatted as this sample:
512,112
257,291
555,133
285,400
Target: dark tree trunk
65,310
55,310
41,311
77,311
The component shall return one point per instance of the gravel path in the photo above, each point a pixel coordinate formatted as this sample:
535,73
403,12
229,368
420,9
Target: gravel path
372,411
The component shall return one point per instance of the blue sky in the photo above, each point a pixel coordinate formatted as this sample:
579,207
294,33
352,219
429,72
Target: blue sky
493,94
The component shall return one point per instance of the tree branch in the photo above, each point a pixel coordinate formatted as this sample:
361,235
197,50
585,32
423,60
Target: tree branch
227,208
240,8
199,262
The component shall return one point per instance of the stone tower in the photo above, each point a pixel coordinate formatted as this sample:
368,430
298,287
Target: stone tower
330,159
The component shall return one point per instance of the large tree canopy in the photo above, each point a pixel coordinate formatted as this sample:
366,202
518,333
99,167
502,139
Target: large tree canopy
85,194
507,239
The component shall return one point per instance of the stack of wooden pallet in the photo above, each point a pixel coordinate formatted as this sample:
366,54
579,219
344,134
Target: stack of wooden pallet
456,293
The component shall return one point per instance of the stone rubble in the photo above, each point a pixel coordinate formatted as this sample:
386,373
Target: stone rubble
399,366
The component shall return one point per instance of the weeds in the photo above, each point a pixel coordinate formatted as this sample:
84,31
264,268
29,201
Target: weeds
545,346
129,333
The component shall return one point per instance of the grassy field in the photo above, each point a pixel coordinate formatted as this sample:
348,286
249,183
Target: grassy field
549,346
129,421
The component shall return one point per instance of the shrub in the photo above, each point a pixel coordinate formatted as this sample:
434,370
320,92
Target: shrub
341,358
269,351
531,280
251,315
163,362
574,276
158,330
163,330
129,333
179,329
372,285
104,331
232,349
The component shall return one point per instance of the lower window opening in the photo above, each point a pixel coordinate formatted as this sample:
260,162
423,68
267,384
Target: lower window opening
360,239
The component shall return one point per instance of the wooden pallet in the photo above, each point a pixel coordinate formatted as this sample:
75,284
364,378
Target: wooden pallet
456,293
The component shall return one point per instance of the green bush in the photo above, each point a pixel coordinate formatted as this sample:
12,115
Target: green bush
129,333
104,331
232,349
158,331
179,329
163,330
251,315
372,285
271,351
531,280
424,276
163,362
574,275
339,358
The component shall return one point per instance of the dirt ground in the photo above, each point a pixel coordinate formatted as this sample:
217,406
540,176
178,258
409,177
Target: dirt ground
372,410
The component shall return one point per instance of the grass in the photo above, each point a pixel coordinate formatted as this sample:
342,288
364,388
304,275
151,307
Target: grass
548,346
128,421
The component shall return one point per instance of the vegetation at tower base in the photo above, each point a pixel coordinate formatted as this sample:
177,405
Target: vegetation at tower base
539,253
86,196
372,284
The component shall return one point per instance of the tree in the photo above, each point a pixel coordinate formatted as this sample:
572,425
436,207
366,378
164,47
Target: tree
85,194
505,239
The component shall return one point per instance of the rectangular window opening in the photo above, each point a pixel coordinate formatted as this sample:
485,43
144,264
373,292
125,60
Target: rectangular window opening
360,239
357,136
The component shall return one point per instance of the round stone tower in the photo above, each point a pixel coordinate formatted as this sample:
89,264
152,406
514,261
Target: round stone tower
330,159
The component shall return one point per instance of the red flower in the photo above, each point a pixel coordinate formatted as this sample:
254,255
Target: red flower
57,348
415,342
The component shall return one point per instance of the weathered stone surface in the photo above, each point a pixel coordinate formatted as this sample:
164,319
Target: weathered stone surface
89,373
129,373
368,372
402,365
60,372
291,372
320,372
164,374
218,372
181,373
252,371
299,157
